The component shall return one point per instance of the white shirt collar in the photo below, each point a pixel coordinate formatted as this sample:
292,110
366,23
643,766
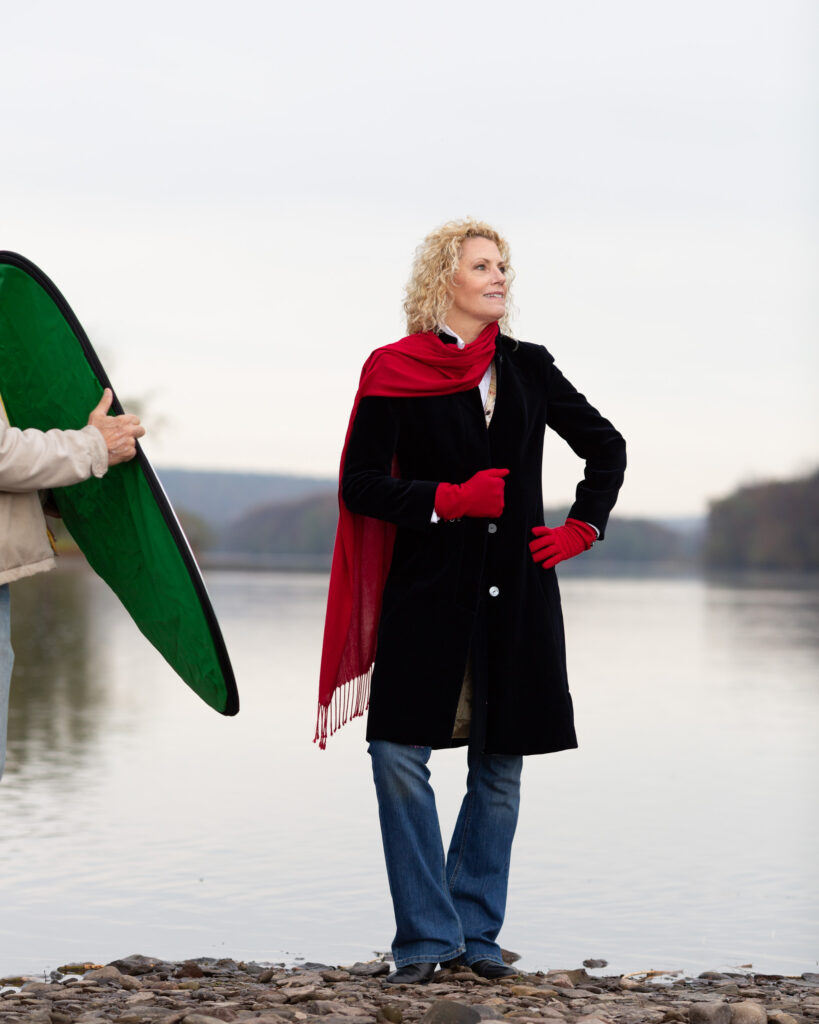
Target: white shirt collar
459,341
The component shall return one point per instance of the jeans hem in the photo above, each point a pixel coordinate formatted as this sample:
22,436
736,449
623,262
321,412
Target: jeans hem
428,958
470,960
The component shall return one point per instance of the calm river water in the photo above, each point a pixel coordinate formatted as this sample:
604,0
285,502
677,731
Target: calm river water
682,834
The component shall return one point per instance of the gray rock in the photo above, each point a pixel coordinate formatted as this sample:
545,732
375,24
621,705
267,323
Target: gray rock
712,976
709,1013
334,976
447,1011
748,1012
488,1012
389,1013
103,974
188,969
201,1018
373,969
576,977
594,965
812,979
139,964
509,957
573,993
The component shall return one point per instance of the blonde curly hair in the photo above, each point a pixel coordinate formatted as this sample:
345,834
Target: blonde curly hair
435,265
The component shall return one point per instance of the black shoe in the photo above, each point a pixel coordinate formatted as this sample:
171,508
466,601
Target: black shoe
491,970
412,974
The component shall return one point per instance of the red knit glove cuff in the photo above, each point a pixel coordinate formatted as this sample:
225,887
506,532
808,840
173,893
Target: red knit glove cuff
584,532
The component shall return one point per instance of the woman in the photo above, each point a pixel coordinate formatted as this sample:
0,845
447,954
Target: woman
442,558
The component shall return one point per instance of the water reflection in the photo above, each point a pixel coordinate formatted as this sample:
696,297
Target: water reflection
680,834
57,673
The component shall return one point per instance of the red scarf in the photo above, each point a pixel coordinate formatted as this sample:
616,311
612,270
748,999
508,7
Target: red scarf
417,365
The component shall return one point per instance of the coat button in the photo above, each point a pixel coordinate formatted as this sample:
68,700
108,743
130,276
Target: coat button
493,527
493,591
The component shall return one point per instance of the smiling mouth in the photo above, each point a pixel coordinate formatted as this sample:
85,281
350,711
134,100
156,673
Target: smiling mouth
493,295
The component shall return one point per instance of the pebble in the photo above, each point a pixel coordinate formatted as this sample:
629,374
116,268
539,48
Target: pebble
710,1013
149,990
448,1011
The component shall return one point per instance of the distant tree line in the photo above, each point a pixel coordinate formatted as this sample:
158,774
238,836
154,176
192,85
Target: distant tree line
766,526
308,526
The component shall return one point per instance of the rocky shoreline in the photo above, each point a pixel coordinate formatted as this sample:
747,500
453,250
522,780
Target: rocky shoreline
145,990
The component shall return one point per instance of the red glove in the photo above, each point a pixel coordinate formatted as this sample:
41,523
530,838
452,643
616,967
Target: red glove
551,546
480,496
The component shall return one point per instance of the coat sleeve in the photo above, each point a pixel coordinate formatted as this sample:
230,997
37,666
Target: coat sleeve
593,438
31,460
367,484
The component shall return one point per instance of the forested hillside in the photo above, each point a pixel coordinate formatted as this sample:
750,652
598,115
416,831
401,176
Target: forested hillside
766,526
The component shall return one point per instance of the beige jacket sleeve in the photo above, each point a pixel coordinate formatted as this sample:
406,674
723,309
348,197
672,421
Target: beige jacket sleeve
31,460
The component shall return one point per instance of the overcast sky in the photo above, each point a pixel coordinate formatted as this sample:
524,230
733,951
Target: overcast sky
229,196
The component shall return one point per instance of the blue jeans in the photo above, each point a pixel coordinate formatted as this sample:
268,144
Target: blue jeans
6,664
453,906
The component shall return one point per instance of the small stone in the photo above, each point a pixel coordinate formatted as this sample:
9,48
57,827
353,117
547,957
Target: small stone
39,988
560,978
709,1013
201,1018
103,974
488,1012
135,964
304,994
373,969
781,1018
334,976
299,979
78,968
509,957
189,969
139,998
60,1018
573,993
629,985
447,1011
594,965
748,1012
129,982
390,1013
530,991
712,976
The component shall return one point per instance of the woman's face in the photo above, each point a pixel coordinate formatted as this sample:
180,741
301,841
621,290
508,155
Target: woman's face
478,289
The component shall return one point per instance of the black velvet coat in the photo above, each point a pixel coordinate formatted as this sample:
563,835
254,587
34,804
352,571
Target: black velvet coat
471,586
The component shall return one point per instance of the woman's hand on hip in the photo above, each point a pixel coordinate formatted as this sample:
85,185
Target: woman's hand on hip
480,497
555,544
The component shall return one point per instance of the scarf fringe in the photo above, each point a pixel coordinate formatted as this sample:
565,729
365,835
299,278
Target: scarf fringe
350,700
